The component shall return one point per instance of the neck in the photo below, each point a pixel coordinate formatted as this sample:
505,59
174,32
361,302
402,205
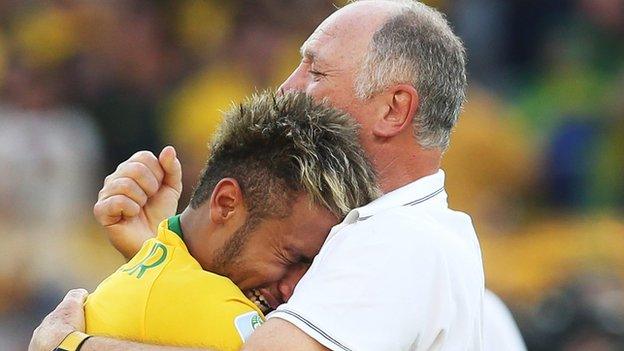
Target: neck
195,226
397,168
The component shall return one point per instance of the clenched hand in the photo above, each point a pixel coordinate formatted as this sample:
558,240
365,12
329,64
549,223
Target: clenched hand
143,191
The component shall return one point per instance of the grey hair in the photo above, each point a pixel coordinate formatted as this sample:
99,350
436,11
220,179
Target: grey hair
279,146
416,46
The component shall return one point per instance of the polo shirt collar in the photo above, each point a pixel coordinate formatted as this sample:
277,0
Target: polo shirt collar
413,193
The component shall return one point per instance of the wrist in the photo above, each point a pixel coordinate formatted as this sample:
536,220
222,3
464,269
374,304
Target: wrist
73,341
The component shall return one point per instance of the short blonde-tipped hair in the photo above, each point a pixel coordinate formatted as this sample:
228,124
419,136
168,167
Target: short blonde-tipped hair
277,147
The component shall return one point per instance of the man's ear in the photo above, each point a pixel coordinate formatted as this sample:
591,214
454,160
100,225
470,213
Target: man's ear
401,103
226,200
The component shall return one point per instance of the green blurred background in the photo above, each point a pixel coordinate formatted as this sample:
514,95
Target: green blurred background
537,159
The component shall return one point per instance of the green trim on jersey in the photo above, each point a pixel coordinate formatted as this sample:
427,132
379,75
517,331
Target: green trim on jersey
174,225
141,267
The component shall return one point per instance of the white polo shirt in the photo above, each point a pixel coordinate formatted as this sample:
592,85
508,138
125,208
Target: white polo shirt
500,331
401,273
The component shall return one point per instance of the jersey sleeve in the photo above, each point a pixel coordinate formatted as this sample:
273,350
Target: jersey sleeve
197,311
372,287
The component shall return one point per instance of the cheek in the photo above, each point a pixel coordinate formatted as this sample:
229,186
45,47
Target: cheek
334,95
331,88
267,274
318,91
296,273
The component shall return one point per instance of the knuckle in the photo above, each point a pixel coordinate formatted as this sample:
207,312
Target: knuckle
65,313
121,165
143,155
110,204
98,214
97,208
135,170
142,168
103,192
141,199
108,178
143,176
123,185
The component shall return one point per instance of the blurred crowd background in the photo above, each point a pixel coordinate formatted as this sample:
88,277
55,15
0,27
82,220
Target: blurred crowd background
537,159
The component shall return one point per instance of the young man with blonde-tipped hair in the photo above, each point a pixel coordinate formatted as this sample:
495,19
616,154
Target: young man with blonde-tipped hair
282,171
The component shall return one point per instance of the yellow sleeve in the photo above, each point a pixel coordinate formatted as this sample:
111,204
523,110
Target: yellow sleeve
116,308
199,309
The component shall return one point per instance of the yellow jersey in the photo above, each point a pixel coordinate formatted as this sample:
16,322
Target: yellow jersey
163,296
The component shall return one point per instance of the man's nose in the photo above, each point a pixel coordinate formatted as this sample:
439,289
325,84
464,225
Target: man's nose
295,82
286,286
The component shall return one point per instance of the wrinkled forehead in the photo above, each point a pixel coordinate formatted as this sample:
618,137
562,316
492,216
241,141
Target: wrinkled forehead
327,42
311,47
349,30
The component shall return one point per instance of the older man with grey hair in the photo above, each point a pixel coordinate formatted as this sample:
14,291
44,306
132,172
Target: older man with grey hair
401,273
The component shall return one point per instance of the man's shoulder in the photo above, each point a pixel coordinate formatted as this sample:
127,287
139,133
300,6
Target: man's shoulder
184,275
208,306
414,225
408,268
189,276
413,237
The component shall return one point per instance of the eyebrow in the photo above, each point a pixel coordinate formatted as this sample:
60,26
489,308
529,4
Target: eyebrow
306,52
302,257
313,56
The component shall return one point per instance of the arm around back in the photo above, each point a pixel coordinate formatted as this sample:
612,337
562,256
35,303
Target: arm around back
278,334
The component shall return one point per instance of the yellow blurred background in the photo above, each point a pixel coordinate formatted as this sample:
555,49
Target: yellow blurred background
537,159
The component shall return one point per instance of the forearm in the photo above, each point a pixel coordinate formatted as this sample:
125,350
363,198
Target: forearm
129,245
97,343
275,334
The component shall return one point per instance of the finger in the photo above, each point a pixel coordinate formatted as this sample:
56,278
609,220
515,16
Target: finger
140,173
151,161
115,208
124,186
172,167
74,299
76,295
